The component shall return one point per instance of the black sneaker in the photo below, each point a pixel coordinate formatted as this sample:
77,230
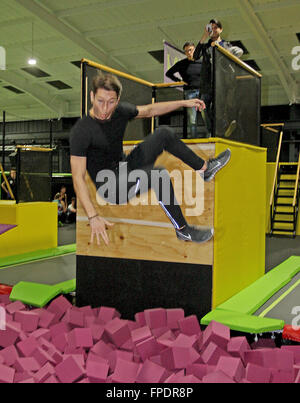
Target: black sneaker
215,164
194,234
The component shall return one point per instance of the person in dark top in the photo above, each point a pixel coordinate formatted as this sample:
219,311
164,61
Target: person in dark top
189,70
96,146
203,52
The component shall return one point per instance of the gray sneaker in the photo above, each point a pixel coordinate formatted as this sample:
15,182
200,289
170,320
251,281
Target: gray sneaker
194,234
215,164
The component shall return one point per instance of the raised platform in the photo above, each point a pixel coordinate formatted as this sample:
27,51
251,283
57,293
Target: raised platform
146,266
35,227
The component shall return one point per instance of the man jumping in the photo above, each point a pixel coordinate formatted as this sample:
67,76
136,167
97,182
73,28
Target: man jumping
96,144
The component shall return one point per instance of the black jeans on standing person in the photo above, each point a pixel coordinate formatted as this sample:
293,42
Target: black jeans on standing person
143,158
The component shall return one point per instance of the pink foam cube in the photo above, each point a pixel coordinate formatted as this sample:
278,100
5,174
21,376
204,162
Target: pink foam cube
9,336
42,357
6,374
212,354
46,318
106,314
27,346
97,331
26,364
217,377
97,358
60,341
175,377
295,350
80,337
180,354
156,317
59,307
4,299
79,357
254,357
284,360
296,370
140,318
118,331
133,325
59,328
258,374
237,346
69,370
281,376
9,355
45,333
140,334
128,345
115,354
151,373
44,373
29,320
15,307
87,311
232,366
102,349
51,350
173,316
22,376
189,325
160,331
216,333
74,318
148,348
97,371
125,371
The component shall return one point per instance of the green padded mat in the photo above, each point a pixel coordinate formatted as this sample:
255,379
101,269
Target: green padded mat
236,313
37,255
39,295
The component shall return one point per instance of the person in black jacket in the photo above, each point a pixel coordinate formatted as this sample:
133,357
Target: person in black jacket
189,69
203,53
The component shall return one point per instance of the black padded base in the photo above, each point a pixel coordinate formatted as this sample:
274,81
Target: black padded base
132,286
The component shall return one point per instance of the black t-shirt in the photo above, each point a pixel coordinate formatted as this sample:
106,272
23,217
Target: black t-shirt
189,70
101,142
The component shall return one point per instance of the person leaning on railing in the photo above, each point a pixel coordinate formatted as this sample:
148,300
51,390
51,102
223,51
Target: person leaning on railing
203,52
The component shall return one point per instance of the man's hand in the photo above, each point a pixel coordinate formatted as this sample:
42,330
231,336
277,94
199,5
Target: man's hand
195,103
98,227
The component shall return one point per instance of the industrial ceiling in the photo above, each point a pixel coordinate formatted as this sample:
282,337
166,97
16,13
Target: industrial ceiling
122,34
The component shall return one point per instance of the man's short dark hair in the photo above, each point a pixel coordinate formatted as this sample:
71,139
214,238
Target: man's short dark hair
217,22
188,44
108,82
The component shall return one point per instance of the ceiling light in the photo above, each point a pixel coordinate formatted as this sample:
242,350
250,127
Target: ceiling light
32,61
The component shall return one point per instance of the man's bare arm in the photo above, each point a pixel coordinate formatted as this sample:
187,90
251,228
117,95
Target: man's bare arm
78,168
98,224
162,108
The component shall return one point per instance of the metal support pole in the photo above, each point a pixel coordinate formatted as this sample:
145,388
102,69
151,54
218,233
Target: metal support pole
3,141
